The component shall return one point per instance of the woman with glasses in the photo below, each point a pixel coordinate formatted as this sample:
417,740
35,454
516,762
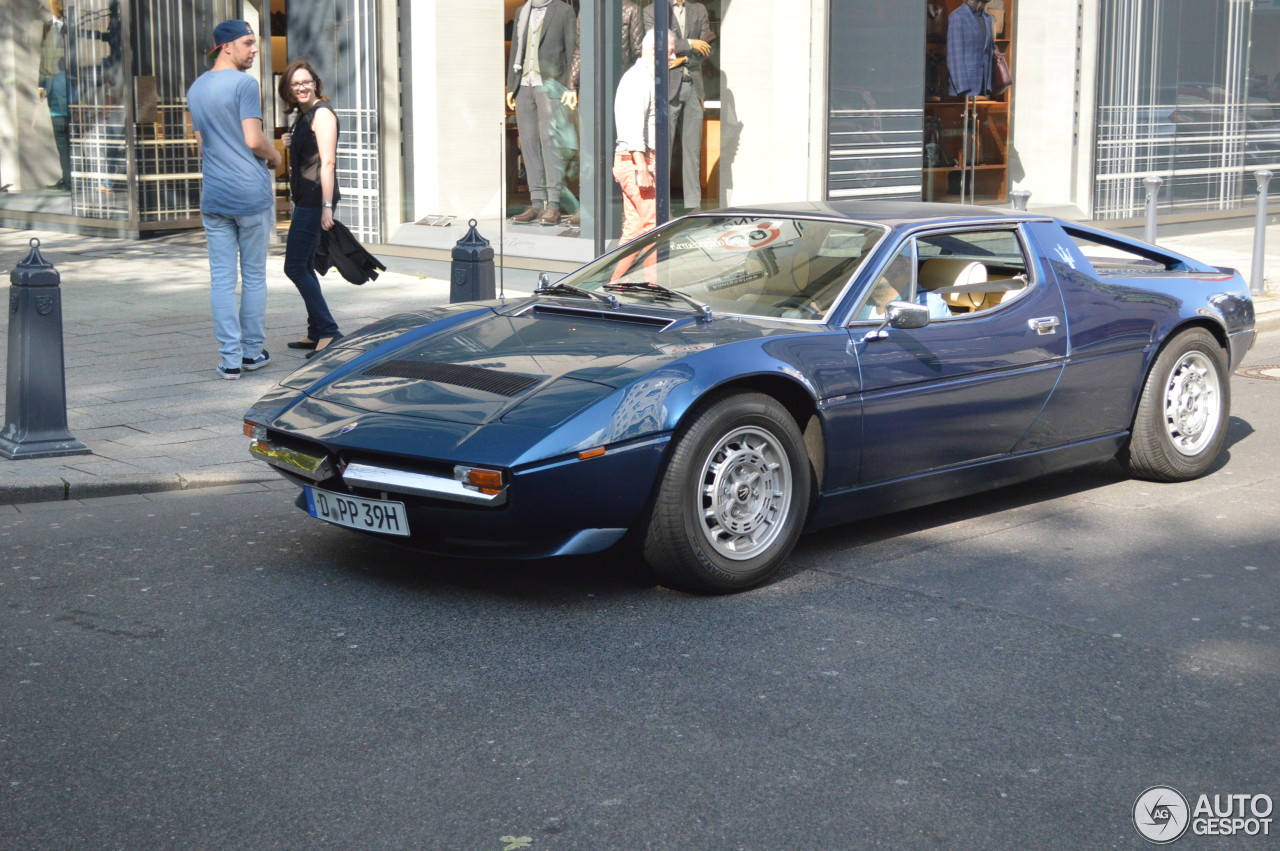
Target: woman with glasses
313,186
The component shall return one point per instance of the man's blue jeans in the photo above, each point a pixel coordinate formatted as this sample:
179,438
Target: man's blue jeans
238,241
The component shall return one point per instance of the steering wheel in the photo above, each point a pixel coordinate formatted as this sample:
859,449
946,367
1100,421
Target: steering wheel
802,305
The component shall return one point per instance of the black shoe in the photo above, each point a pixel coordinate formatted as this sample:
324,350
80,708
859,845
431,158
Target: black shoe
332,340
302,344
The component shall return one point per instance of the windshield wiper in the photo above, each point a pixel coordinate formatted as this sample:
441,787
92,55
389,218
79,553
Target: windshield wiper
659,291
545,287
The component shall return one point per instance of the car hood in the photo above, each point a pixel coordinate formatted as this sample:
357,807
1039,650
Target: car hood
534,362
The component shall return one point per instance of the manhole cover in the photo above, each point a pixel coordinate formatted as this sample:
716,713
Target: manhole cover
1265,371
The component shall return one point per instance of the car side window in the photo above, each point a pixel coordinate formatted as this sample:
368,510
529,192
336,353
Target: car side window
895,283
972,271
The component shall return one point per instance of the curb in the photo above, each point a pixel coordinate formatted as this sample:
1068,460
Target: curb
21,492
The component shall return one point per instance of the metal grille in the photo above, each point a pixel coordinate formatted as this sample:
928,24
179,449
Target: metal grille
359,166
875,97
1169,110
99,134
874,153
476,378
168,39
171,39
341,38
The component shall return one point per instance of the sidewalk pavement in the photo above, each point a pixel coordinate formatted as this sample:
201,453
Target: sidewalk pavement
142,391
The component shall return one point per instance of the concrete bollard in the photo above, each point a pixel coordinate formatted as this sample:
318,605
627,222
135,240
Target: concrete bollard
472,268
1257,280
35,409
1153,196
1020,198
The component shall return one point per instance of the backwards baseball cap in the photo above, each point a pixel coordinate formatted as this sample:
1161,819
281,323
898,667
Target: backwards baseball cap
227,32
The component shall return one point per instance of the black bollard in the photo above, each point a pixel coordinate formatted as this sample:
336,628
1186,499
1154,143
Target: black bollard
35,407
472,268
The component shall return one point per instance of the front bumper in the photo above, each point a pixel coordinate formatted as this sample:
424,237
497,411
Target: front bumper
564,506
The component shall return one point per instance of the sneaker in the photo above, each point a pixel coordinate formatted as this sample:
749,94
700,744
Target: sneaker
250,364
231,373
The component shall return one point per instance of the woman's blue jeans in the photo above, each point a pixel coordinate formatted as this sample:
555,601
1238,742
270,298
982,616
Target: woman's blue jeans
304,238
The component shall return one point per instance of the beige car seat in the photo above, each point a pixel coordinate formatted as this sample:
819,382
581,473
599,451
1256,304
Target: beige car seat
940,272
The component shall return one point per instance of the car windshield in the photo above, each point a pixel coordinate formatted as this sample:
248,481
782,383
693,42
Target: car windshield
752,265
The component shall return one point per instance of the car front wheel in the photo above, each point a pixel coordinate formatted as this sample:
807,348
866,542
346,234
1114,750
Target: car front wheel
1181,422
733,497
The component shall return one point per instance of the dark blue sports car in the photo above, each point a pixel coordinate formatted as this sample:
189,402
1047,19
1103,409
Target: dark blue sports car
721,384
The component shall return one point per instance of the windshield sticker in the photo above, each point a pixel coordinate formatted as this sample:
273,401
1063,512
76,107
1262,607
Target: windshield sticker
745,237
735,280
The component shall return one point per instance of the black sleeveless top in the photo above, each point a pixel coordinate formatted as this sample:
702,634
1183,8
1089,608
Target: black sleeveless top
304,162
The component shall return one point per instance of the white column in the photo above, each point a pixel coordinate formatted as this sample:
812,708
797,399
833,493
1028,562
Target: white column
767,58
1052,127
456,99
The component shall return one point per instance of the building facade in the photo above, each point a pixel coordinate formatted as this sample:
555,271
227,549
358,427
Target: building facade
805,100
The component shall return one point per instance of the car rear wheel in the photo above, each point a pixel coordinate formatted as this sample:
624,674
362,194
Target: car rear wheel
733,497
1181,422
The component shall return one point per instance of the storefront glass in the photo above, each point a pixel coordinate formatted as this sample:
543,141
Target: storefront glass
1176,100
559,157
93,113
968,95
339,38
916,108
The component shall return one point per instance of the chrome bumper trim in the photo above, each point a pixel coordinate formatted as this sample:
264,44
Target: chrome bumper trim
417,484
314,467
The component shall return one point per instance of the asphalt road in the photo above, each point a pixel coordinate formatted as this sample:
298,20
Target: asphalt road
213,669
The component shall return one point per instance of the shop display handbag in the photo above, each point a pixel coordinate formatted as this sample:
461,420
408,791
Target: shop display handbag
1001,77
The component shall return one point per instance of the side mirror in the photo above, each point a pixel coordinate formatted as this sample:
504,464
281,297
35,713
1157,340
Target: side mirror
900,314
906,315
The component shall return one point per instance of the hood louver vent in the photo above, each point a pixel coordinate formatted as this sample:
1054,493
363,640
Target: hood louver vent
657,322
488,380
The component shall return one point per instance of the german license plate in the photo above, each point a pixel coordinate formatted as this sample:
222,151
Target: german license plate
371,515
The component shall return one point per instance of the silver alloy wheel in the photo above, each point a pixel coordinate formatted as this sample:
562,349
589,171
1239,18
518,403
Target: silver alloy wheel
1192,403
745,494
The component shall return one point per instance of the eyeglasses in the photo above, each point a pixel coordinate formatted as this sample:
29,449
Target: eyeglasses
303,84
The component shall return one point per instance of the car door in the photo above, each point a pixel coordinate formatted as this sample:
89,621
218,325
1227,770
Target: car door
970,383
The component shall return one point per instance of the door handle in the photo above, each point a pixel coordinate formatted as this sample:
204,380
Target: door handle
1044,325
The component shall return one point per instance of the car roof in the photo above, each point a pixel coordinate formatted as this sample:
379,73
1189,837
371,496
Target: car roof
890,213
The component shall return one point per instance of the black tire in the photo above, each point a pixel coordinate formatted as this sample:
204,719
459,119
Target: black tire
1181,421
715,527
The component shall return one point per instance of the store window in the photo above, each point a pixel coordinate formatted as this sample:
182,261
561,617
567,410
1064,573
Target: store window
493,147
340,42
968,91
64,149
1182,95
93,110
560,129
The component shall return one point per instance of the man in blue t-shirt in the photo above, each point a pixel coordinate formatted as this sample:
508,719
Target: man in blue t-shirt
237,202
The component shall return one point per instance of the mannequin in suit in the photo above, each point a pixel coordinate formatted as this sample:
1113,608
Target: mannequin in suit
686,90
970,46
543,44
